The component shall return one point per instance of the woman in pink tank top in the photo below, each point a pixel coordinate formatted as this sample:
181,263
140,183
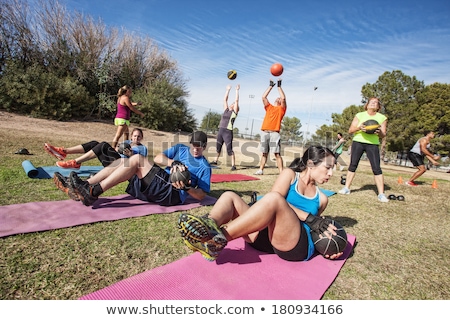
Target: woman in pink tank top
124,108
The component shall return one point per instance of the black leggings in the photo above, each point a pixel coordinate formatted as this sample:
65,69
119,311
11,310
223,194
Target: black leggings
105,153
372,152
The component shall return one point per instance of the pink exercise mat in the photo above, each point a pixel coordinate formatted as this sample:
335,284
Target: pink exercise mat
240,273
49,215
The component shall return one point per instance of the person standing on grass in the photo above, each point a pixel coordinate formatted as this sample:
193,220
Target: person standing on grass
416,155
337,149
271,126
225,134
123,115
368,143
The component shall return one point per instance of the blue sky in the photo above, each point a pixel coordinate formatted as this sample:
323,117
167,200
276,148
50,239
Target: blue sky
337,46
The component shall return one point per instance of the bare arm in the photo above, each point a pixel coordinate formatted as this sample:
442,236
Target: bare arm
131,105
354,126
163,161
423,148
283,182
197,193
266,93
236,100
282,96
381,131
225,98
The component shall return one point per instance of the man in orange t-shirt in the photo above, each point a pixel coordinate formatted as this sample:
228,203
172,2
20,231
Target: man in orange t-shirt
271,139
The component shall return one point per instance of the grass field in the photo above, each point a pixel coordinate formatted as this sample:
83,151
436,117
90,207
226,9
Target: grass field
402,249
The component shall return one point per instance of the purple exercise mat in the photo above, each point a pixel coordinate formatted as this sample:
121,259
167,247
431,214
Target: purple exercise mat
49,215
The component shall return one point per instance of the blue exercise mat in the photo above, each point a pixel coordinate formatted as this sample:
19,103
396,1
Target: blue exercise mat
47,172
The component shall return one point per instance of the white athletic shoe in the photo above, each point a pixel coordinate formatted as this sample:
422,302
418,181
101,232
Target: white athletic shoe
382,198
259,172
344,190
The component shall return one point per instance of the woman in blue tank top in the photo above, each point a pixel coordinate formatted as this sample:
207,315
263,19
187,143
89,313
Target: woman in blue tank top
279,223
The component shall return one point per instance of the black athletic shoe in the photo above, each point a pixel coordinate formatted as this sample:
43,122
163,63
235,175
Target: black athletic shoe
62,183
82,189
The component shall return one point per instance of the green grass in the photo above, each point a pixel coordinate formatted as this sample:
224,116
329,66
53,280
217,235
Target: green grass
402,249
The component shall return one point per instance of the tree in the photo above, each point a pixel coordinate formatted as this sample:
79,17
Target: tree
434,114
54,58
211,121
290,129
397,93
340,123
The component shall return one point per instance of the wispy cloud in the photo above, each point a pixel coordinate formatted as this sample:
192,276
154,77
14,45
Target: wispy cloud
337,47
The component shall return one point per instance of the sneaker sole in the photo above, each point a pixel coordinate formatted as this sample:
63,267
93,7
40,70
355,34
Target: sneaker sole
204,253
65,189
67,167
73,184
54,153
194,230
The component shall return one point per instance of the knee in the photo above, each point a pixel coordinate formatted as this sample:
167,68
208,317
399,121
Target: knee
377,172
273,198
136,160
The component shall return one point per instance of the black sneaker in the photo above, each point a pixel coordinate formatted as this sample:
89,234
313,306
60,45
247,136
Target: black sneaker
213,163
233,168
82,189
62,183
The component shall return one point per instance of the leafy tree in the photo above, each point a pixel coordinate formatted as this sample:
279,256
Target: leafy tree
210,121
165,108
397,93
341,123
434,114
290,129
38,93
68,51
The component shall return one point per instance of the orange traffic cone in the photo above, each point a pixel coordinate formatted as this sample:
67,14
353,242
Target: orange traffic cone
400,180
434,184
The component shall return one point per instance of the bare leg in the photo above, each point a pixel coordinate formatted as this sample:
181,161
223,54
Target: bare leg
121,170
263,161
271,211
279,161
86,157
106,171
349,178
233,160
120,131
420,171
74,150
379,181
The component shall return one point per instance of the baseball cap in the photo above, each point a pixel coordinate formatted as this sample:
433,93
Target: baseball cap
199,138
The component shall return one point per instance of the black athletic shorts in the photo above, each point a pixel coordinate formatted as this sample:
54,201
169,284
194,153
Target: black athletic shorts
154,187
416,159
298,253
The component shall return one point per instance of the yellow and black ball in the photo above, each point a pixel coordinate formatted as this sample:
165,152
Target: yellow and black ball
232,74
